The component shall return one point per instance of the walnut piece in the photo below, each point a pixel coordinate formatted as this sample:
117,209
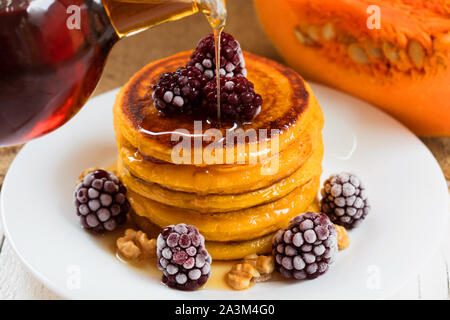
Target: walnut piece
254,268
135,245
263,278
128,249
342,237
241,275
263,264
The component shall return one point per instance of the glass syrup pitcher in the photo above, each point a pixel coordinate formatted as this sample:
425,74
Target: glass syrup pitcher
52,53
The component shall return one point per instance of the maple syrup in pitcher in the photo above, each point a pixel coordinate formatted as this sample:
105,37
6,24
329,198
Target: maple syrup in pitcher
52,53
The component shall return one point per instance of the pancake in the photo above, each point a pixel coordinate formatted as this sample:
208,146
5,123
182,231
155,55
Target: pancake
246,224
287,102
224,202
222,250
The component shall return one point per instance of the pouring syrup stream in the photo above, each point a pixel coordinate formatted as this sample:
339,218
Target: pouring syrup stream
217,37
216,14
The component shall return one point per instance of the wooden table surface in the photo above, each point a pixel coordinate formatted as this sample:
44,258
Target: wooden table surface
131,54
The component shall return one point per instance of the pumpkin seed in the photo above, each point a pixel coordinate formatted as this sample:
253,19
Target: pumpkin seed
374,51
391,53
313,33
302,38
416,53
328,32
405,62
357,53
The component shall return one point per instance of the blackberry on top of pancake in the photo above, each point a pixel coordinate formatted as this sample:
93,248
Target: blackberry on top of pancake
232,62
238,100
179,92
193,90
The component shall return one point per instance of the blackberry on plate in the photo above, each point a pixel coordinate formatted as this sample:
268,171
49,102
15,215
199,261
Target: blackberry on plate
179,91
238,100
182,257
344,200
231,58
307,248
100,201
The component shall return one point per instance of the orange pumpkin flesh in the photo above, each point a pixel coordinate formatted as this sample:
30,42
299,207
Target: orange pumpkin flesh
404,67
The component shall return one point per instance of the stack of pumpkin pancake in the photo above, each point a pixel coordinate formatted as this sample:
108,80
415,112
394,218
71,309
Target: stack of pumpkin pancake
238,206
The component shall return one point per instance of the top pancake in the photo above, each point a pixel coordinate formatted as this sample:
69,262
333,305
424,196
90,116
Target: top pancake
286,102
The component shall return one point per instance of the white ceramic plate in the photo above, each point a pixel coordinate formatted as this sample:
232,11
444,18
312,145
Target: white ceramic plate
406,187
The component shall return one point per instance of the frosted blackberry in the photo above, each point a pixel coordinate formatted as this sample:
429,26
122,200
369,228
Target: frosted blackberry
182,257
231,58
344,200
307,248
179,91
100,201
238,100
